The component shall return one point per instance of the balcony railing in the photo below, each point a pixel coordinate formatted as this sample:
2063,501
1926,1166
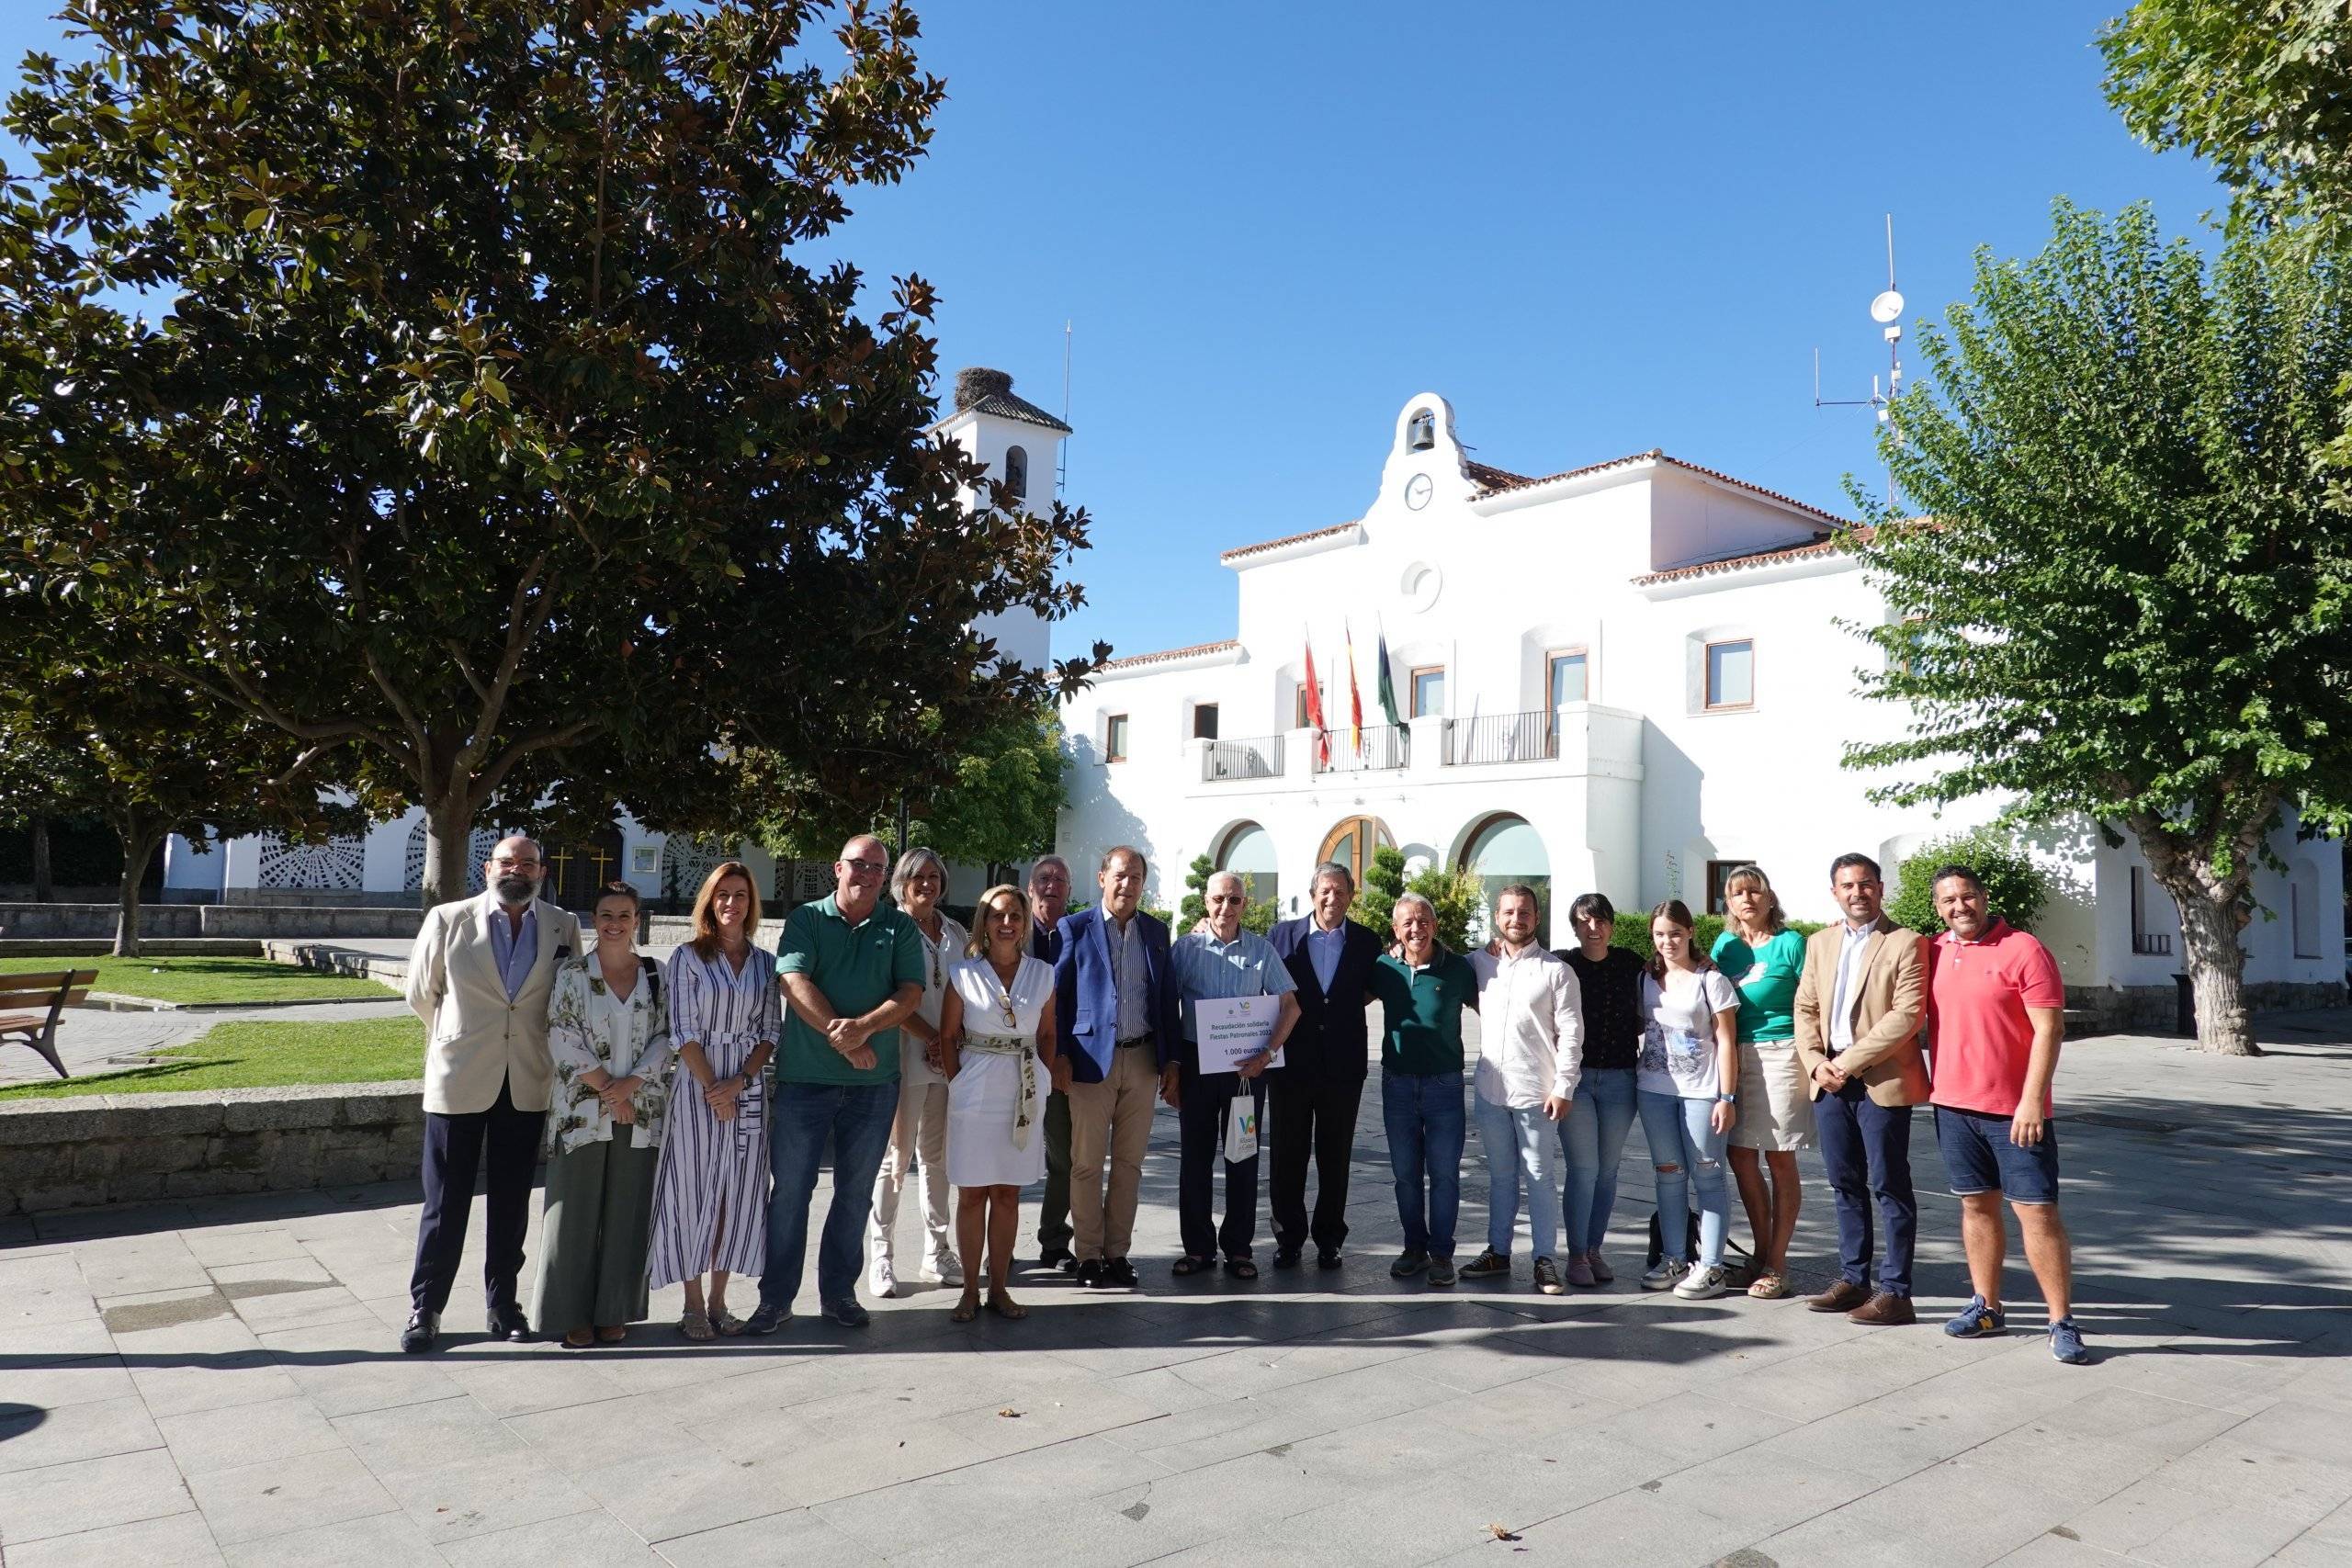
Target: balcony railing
1529,736
1259,759
1384,746
2150,944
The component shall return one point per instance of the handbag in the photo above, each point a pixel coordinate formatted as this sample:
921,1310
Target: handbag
1240,1129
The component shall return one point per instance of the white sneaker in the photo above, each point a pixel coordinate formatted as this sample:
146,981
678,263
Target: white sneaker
1663,1277
944,1269
1701,1284
881,1279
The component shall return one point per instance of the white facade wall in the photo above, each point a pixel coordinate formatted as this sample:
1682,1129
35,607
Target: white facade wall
1648,786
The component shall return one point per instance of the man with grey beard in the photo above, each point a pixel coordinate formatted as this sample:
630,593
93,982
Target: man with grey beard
480,975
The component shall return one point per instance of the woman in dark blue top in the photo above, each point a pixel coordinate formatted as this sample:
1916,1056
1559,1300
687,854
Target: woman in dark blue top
1592,1136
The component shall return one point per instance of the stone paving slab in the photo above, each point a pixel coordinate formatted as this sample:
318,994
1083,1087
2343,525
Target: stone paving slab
216,1381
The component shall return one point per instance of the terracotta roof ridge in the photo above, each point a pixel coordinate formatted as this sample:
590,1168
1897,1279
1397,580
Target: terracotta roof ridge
1166,654
1265,544
1826,545
1655,454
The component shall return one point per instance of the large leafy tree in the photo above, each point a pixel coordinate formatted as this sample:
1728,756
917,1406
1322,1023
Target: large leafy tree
488,431
2125,598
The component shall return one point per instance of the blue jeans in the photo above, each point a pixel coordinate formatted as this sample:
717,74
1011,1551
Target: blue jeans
1866,1149
1520,1143
857,1117
1593,1139
1684,1147
1423,1112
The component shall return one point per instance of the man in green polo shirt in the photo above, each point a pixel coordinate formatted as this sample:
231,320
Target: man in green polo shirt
1422,989
850,968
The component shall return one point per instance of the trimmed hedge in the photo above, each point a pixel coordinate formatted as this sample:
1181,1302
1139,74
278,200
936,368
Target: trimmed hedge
1634,931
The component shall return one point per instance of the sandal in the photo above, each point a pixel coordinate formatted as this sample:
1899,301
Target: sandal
613,1335
695,1327
1242,1268
1769,1286
1187,1264
727,1323
966,1311
1007,1308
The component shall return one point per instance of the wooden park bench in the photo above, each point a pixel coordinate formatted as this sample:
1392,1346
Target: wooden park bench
48,996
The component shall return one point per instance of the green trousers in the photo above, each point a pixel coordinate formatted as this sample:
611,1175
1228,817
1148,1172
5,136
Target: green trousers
594,1229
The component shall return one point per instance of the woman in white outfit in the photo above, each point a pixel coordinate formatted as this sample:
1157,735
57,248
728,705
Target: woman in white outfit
996,1033
919,1136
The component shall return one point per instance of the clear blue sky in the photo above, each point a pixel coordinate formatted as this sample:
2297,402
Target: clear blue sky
1595,229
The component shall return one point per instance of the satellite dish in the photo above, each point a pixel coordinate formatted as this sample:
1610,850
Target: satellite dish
1886,307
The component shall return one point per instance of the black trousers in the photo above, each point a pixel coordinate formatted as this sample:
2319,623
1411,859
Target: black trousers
1312,1118
504,1140
1200,1105
1053,1214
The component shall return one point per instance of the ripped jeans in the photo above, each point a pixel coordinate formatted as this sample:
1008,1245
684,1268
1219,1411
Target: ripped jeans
1682,1139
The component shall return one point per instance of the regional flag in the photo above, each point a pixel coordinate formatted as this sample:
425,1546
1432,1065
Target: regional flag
1355,696
1387,690
1315,712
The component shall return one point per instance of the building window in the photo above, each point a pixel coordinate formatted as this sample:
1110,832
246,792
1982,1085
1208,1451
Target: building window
1427,682
1731,674
1249,853
1352,844
2144,941
2303,897
1299,719
1115,738
1016,472
1420,431
1203,721
1567,676
1501,850
1718,872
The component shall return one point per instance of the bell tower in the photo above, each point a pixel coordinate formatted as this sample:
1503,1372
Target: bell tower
1020,444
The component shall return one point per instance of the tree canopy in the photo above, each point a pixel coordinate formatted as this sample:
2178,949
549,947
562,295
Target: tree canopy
444,387
2125,599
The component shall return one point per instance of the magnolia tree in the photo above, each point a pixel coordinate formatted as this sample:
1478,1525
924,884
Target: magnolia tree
2124,597
448,388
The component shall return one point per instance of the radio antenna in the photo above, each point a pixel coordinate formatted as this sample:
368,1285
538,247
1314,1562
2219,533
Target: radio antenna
1061,469
1887,311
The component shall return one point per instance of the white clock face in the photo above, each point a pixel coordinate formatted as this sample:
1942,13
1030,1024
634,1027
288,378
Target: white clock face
1417,491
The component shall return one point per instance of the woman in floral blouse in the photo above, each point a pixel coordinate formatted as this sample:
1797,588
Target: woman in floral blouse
609,1034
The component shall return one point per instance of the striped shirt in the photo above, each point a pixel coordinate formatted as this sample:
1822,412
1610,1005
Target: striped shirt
1207,968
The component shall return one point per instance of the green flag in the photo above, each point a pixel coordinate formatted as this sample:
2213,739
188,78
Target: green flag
1387,690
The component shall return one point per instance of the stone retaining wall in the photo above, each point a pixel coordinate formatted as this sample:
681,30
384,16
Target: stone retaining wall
2153,1009
250,921
123,1148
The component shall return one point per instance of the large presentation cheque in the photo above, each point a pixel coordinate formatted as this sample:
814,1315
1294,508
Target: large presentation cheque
1234,1028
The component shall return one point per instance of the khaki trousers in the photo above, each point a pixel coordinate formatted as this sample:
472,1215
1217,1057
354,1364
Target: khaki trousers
1112,1118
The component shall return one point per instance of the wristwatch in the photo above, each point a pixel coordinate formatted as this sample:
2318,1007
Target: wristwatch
1726,1099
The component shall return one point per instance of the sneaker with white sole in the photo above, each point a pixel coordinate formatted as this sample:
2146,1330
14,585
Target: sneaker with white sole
1547,1277
882,1278
2066,1343
944,1269
1665,1277
1487,1265
1703,1283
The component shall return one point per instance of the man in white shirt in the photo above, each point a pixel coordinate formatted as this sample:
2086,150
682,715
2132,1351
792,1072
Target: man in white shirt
1531,1047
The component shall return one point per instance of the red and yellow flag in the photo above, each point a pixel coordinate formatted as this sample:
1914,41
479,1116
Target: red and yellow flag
1355,697
1314,711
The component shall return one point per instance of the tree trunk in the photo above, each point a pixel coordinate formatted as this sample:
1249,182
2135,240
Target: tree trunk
448,836
44,884
2216,964
139,844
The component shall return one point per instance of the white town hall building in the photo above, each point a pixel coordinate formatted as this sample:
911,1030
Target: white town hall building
1628,677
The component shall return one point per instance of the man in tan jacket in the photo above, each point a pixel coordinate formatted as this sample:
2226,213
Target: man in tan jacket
1861,1008
480,975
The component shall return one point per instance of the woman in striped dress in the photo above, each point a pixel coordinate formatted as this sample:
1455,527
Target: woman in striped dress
710,1198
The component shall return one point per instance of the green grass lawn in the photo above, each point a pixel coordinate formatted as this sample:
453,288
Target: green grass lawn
209,979
253,1053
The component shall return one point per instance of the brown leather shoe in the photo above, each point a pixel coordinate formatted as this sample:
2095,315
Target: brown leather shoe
1884,1308
1843,1296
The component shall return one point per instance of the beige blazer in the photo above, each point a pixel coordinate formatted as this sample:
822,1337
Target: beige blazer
475,1039
1890,1011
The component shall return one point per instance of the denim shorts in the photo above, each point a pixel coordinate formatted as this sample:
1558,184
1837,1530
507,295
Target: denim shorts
1979,1157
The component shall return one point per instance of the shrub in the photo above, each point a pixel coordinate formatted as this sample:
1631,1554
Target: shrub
2015,884
1456,893
1634,931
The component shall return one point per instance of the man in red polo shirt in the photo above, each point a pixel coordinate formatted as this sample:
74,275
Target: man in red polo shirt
1996,1011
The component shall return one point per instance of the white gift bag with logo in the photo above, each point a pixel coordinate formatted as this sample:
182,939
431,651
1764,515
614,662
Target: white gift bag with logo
1240,1128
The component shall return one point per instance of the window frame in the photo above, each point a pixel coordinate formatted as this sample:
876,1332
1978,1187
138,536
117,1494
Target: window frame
1553,657
1717,900
1707,703
1210,709
1116,736
1016,472
1413,689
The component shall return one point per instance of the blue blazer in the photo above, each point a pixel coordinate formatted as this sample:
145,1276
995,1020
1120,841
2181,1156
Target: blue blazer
1086,994
1329,1043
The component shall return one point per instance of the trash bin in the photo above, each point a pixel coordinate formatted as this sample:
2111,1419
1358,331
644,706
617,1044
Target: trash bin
2184,1015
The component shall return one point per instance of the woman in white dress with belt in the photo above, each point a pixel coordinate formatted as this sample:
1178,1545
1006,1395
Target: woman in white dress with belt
996,1034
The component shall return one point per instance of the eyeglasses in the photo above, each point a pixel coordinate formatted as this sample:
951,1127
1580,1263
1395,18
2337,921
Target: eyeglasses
866,867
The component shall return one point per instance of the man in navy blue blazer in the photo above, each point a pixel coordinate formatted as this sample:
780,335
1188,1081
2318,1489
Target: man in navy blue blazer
1314,1096
1115,1012
1048,894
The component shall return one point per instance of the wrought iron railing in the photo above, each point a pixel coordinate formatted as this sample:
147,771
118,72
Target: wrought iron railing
1527,736
1384,746
2150,944
1259,759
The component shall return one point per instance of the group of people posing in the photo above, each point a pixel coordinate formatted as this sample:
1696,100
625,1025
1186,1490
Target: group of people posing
685,1109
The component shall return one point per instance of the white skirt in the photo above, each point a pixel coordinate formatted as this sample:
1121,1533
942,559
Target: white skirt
981,1100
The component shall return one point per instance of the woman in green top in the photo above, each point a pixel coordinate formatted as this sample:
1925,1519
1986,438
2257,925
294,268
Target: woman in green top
1765,959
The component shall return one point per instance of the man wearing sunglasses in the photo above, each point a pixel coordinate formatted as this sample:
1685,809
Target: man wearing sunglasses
852,969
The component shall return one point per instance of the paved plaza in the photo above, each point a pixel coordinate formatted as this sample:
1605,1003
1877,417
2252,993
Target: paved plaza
217,1381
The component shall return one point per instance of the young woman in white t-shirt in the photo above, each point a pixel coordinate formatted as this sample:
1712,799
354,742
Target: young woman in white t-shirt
1689,1078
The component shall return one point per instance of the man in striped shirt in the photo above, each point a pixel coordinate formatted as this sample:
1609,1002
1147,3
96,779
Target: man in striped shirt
1223,961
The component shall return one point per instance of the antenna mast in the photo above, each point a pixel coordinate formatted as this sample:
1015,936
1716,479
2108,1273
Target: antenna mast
1887,311
1061,468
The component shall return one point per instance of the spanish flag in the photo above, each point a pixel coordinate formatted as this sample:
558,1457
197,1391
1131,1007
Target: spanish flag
1314,711
1355,697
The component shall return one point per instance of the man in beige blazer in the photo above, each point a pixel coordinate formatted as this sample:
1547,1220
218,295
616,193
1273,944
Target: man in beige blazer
480,975
1860,1008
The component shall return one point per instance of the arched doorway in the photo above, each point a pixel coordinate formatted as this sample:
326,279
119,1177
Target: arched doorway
1248,850
1351,843
1503,849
